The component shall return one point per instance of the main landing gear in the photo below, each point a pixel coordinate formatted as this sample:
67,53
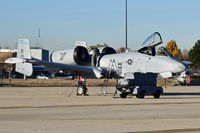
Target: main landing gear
81,86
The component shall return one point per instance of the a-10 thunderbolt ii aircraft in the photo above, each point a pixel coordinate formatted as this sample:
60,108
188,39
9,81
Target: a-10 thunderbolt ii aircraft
107,64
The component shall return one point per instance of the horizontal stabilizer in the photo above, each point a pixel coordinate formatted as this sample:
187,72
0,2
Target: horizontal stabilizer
14,60
24,68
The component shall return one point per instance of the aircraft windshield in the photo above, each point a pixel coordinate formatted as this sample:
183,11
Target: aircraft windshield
163,51
153,40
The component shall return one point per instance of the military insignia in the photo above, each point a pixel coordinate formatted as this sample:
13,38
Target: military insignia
129,61
22,51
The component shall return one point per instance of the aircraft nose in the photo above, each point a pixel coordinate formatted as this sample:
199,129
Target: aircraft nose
180,68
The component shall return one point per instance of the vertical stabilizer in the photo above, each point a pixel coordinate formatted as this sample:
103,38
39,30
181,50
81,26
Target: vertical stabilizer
23,51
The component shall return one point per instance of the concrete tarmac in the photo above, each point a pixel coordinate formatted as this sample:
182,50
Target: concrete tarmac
58,110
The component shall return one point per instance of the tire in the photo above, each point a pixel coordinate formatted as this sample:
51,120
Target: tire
81,90
123,95
141,94
157,94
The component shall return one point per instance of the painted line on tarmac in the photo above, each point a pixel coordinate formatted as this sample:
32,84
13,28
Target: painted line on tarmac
171,131
96,105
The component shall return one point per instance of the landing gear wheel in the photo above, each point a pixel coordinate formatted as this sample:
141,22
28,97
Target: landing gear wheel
157,94
123,95
140,95
81,90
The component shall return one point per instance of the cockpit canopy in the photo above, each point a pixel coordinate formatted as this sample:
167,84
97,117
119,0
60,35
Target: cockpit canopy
148,46
153,40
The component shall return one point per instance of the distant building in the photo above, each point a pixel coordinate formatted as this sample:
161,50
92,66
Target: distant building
5,55
40,54
7,51
6,67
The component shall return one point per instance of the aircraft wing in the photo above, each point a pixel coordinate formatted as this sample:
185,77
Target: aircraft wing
24,63
93,72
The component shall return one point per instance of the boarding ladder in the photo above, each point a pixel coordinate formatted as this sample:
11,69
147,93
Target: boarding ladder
112,66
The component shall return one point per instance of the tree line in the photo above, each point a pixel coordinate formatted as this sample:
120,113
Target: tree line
192,55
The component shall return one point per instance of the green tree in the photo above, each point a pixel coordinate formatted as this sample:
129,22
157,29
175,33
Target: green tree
172,47
194,54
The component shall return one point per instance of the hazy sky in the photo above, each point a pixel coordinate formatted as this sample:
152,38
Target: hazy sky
62,22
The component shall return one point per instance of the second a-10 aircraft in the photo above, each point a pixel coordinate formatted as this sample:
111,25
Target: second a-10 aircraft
107,64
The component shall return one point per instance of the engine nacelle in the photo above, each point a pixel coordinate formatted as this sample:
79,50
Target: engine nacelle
108,50
78,55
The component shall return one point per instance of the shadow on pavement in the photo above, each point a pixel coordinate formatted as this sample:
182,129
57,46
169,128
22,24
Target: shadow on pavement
195,83
184,93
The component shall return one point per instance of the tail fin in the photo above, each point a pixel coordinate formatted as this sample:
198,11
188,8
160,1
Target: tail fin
23,51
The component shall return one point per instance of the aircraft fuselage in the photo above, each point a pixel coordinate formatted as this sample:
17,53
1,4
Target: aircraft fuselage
132,62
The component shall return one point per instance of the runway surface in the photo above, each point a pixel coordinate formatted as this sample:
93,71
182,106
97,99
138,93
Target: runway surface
53,110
